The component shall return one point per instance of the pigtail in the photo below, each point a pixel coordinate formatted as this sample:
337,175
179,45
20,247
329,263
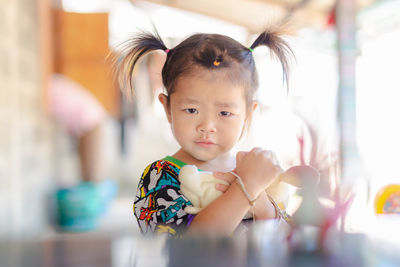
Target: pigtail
131,51
279,48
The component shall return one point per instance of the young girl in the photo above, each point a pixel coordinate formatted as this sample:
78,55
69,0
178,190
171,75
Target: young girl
210,81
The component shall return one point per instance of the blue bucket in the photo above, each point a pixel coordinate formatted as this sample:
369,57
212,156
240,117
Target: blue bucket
78,207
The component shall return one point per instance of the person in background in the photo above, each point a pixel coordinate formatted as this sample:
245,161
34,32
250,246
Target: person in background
83,117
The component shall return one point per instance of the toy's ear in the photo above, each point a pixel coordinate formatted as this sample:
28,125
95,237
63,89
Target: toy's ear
300,176
188,171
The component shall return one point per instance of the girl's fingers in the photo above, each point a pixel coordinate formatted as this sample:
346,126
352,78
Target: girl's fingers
257,149
274,159
272,156
240,155
226,176
221,187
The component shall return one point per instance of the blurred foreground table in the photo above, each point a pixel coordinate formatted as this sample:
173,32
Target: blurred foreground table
261,245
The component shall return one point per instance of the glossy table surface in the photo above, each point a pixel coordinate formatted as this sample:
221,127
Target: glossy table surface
259,246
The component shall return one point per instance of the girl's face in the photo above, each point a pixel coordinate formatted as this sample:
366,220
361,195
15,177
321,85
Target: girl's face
207,115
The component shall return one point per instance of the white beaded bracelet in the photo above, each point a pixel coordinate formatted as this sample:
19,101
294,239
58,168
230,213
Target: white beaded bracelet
240,181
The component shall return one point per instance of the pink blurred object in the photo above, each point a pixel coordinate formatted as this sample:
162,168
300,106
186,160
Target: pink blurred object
312,213
74,106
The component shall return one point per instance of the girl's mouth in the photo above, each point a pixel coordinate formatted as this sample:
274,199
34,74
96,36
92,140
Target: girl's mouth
204,143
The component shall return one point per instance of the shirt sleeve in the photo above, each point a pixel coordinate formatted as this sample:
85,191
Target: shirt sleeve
159,204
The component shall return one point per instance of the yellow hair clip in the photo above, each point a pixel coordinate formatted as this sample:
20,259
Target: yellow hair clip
216,63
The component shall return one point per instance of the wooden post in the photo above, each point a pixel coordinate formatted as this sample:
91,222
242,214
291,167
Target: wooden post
346,99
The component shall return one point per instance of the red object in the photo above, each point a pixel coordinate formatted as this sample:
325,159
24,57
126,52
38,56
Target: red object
331,18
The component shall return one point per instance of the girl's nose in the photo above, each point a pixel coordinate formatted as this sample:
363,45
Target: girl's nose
207,130
207,125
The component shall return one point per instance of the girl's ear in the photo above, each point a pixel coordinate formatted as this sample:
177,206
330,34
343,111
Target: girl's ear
254,106
164,101
251,110
249,117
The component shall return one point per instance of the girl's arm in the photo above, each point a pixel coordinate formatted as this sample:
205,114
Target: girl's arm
263,209
224,214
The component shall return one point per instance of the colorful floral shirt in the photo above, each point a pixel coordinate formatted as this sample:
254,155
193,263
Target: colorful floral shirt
159,204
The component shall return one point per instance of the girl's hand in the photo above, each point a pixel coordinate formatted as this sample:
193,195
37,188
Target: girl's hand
258,169
226,176
262,209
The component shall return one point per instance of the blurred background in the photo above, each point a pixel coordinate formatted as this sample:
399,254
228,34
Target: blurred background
68,131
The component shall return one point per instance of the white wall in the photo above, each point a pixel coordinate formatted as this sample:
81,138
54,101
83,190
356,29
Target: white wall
25,132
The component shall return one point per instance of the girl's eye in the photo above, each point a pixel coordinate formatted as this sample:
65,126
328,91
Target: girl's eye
225,113
191,110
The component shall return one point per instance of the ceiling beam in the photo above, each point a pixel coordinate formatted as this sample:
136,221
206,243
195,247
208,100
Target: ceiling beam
252,15
255,15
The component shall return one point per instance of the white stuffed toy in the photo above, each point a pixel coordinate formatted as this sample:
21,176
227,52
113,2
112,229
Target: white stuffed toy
199,187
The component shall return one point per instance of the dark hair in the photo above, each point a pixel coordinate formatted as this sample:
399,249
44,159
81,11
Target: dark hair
213,52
